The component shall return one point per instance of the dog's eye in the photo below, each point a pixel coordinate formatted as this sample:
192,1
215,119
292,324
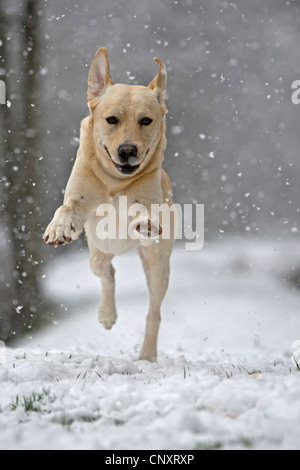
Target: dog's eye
146,121
112,120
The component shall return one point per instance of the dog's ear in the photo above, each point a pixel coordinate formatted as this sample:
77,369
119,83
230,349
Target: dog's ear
99,78
159,84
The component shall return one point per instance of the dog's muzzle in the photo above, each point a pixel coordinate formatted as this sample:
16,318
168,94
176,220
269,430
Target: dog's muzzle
127,154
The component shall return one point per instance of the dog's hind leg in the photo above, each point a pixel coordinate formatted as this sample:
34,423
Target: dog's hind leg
156,262
102,267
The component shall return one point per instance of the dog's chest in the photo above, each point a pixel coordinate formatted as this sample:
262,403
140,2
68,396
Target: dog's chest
107,227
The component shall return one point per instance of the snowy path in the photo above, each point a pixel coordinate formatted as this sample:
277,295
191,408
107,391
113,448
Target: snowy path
225,378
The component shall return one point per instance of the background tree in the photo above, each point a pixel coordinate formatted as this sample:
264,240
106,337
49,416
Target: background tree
21,163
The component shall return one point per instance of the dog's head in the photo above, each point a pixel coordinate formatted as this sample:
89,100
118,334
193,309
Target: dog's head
128,119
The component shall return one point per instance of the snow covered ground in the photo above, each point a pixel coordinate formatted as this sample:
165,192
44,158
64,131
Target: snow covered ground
225,378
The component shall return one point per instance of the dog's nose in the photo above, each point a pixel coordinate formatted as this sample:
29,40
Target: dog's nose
127,152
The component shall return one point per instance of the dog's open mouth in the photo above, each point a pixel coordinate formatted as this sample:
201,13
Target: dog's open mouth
127,169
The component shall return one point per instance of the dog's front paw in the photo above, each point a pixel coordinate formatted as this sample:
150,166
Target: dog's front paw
148,229
63,229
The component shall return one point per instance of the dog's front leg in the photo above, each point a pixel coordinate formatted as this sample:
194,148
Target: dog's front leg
145,209
80,199
146,225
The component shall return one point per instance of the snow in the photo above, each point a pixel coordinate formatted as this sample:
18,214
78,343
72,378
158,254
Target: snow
225,378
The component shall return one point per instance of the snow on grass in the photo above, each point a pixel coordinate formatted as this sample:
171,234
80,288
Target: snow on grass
225,378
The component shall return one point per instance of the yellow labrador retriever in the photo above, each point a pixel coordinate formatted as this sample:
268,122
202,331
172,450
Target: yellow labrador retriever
121,152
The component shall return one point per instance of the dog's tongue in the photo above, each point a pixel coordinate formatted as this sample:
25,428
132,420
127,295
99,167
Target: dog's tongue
131,161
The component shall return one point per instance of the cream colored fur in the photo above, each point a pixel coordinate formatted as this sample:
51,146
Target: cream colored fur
96,180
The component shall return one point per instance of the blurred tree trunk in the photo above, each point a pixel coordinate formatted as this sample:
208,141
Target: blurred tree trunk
6,149
22,205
